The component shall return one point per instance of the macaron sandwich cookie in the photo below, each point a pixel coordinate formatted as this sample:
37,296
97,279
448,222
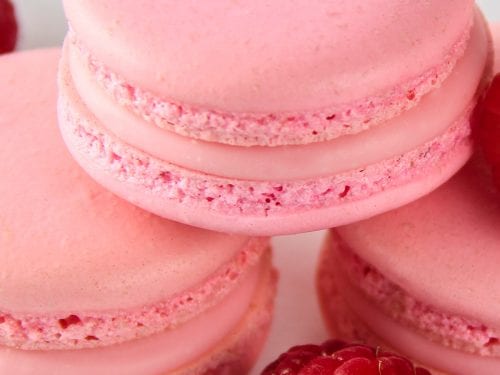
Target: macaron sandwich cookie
329,113
91,284
423,279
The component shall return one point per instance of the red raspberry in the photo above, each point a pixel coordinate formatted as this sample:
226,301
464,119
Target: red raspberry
335,357
8,27
489,131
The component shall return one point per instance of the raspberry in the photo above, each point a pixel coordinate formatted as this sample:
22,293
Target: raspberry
336,357
8,27
489,130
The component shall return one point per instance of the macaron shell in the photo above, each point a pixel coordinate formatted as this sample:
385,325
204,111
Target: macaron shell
291,77
239,351
243,69
450,236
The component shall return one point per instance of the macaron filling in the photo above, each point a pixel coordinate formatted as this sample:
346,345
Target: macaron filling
277,128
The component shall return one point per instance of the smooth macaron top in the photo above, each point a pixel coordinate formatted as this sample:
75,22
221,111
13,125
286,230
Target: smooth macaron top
444,249
65,243
269,56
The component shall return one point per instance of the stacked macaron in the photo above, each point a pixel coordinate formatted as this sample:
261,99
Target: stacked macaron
304,122
91,284
424,278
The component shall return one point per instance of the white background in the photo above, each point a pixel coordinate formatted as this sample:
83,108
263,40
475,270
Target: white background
297,319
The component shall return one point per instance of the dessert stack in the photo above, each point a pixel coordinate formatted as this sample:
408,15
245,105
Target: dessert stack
328,113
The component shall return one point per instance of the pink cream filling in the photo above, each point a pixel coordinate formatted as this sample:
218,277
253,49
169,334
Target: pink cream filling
411,343
88,329
276,128
457,332
288,162
156,354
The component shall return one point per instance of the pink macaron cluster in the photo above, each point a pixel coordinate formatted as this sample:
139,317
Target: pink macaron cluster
195,116
192,114
322,117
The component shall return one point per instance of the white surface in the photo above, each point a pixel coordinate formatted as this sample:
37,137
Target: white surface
42,23
297,319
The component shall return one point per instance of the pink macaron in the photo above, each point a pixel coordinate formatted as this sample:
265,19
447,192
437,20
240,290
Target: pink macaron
307,121
423,279
91,284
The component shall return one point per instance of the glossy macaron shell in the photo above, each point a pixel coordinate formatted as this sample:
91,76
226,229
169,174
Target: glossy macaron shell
212,55
226,338
205,70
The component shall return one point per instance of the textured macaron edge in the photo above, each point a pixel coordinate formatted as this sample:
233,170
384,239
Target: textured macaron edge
90,329
176,185
340,320
273,129
239,350
443,328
